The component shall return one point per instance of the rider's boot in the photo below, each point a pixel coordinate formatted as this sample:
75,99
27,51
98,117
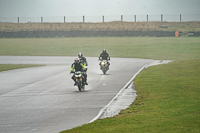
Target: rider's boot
83,83
74,82
100,67
108,67
86,82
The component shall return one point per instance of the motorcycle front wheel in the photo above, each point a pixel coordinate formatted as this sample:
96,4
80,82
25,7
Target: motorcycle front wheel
104,70
79,85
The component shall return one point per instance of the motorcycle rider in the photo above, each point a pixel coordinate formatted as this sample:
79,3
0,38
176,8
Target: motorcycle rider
82,59
78,66
104,56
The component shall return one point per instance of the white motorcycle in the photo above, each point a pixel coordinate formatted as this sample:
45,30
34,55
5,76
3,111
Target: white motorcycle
104,66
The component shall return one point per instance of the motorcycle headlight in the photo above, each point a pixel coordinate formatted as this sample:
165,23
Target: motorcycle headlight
102,63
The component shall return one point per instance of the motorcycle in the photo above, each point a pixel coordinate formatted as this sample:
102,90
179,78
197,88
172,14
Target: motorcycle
104,66
79,79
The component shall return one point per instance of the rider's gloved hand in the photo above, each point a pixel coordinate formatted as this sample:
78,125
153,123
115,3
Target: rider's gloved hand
71,72
85,69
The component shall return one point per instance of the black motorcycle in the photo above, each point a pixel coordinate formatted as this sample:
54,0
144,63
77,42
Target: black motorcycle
79,79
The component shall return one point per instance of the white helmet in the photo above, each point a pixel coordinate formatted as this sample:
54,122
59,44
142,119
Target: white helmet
77,60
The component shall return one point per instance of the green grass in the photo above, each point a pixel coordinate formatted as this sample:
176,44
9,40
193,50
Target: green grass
6,67
128,47
167,95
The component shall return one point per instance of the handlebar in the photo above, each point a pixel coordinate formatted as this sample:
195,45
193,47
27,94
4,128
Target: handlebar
84,71
106,60
102,59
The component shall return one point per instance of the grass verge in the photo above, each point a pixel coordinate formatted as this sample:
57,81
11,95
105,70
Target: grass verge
6,67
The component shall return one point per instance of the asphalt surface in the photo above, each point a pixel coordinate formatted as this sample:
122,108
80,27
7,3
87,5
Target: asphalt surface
44,100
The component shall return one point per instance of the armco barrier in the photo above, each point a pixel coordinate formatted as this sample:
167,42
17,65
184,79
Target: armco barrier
137,33
45,34
101,33
8,34
52,34
151,33
23,34
193,34
90,33
165,33
196,33
129,33
158,33
30,34
87,33
171,34
144,33
60,33
1,34
15,35
37,34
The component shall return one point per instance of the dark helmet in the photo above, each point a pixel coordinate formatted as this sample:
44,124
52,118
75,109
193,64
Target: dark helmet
80,55
104,50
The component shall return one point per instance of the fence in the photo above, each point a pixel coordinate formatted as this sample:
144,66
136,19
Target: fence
90,19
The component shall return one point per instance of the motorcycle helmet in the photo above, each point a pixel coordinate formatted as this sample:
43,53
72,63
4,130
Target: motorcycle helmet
104,50
77,60
80,55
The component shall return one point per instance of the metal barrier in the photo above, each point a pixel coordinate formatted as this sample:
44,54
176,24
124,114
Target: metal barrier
88,33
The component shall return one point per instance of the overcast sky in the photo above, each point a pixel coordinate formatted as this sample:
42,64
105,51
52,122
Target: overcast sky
47,8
